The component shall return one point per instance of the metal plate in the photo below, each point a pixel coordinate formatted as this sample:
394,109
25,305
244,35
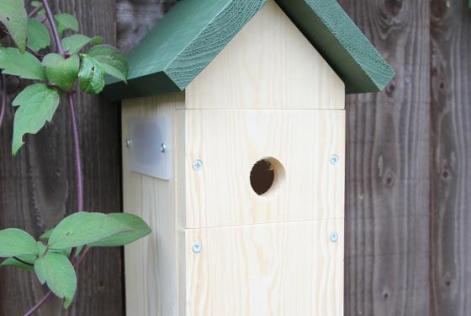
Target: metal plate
150,146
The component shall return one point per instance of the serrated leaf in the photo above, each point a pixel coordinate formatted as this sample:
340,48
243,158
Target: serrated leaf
60,71
84,228
58,273
38,35
16,242
91,76
24,65
13,15
66,22
74,43
37,105
111,60
24,263
138,229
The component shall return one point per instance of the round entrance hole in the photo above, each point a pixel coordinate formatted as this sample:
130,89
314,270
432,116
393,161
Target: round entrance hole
266,175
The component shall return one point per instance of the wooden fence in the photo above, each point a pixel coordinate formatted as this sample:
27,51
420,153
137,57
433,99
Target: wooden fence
408,210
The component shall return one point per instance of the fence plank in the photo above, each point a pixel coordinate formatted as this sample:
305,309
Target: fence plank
451,164
387,198
37,187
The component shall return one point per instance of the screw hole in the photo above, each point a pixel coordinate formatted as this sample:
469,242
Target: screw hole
265,175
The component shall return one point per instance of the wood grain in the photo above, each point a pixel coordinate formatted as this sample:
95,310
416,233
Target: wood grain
230,142
340,41
450,256
387,199
151,263
268,64
260,270
136,17
37,187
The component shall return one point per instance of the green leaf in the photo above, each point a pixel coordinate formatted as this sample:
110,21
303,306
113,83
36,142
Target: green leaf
24,65
66,22
38,35
24,263
13,15
74,43
84,228
58,273
38,4
38,103
139,229
41,248
16,242
113,62
60,71
45,236
91,76
65,252
78,251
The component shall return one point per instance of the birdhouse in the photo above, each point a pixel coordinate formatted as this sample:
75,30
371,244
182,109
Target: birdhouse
233,127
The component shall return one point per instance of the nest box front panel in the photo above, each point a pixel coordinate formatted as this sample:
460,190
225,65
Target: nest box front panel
251,167
286,269
269,64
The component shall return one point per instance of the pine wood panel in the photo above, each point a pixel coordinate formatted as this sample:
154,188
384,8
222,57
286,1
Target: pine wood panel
450,166
37,187
388,180
268,64
229,143
275,269
151,264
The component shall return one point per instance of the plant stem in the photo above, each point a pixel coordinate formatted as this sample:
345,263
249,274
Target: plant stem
78,162
34,12
39,304
55,33
3,83
76,139
49,293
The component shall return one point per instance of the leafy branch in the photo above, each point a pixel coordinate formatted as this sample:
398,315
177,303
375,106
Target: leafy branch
74,62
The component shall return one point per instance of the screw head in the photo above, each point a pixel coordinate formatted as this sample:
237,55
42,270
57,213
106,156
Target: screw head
197,247
163,148
334,159
197,165
128,143
334,237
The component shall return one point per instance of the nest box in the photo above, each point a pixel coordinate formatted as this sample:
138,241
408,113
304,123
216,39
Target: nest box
233,123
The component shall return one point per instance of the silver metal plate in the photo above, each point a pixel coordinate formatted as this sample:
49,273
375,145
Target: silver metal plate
149,146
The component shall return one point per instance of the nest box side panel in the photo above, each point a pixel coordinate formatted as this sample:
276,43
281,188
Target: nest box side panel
268,64
151,264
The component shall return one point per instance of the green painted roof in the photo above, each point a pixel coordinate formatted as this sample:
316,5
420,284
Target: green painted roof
190,36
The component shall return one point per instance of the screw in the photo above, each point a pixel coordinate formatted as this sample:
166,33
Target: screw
334,159
197,247
128,143
334,237
197,165
163,148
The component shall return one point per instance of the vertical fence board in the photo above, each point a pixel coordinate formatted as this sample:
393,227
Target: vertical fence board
406,245
37,187
451,163
387,198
